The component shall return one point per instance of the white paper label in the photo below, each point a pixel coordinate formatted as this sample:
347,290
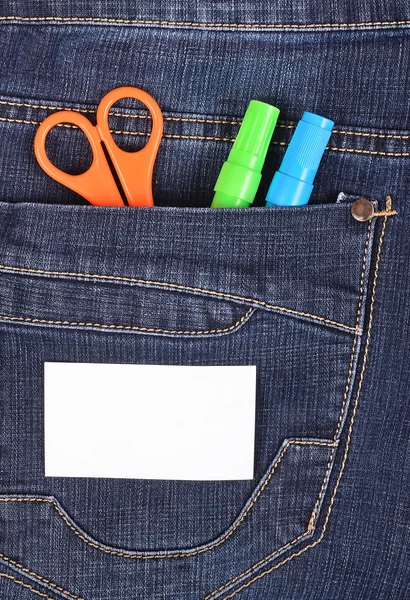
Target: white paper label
149,421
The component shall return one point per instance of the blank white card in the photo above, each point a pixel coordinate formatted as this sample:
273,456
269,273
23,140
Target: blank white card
149,421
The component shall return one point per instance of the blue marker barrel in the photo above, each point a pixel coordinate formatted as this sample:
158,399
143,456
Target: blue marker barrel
292,185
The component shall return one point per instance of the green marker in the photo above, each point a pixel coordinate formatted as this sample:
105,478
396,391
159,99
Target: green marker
241,173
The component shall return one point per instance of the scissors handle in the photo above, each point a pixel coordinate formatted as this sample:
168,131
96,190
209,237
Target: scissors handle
134,169
97,184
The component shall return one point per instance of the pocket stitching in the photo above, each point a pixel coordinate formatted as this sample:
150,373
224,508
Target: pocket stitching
358,315
226,121
164,284
330,507
153,330
181,554
26,585
155,22
340,474
293,542
213,138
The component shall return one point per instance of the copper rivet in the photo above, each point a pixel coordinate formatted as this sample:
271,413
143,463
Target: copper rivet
362,210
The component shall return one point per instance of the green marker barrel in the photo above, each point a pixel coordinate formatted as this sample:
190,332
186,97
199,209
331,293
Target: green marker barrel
241,173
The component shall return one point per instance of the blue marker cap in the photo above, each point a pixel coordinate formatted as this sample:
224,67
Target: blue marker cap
293,183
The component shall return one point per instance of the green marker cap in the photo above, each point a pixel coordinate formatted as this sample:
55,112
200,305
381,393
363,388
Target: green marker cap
241,173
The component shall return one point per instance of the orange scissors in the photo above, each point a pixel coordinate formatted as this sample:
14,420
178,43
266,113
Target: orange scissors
134,169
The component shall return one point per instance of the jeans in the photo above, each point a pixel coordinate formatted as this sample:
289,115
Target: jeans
317,300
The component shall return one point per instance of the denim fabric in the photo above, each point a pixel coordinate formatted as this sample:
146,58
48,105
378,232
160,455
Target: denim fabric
315,299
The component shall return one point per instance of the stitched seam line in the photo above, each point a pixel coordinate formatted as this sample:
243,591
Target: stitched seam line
358,314
131,327
278,551
387,136
178,554
338,480
371,152
288,544
164,284
329,465
39,577
302,550
206,24
385,213
25,585
193,120
128,116
314,515
167,331
213,138
29,587
123,132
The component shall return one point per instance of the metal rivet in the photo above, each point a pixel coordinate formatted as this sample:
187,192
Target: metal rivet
362,210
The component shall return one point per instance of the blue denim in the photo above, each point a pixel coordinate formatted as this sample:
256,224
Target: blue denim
317,300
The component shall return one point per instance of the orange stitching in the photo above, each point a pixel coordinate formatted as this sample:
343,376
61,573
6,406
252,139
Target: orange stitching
122,132
287,545
388,212
212,138
126,115
54,585
278,551
385,213
130,327
26,586
347,444
49,106
314,513
389,136
181,137
195,120
165,284
359,308
371,152
207,24
311,525
97,546
20,121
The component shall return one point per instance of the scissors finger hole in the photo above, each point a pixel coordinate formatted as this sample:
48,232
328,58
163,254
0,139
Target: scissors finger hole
68,149
130,124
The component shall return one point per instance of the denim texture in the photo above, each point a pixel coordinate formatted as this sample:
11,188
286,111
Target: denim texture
315,299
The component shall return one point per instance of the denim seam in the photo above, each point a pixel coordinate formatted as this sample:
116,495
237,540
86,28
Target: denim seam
126,115
361,378
138,133
356,337
371,152
24,571
94,544
176,286
315,511
131,327
314,514
213,138
298,26
389,136
289,544
27,586
191,119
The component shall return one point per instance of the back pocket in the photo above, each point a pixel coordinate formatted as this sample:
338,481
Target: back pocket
282,289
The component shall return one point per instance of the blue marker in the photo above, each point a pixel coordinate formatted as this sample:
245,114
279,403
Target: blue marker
292,185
